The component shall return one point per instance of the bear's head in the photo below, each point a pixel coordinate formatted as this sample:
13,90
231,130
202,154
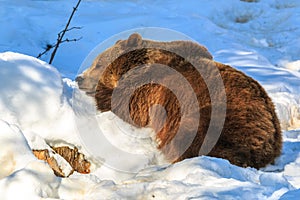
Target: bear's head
89,79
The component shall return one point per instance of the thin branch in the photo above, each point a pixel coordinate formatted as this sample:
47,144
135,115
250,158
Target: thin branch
75,27
41,54
48,48
71,40
61,35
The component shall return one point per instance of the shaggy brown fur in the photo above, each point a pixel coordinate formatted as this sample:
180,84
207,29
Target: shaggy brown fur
251,135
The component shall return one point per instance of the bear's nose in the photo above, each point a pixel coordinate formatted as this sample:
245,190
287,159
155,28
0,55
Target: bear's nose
79,80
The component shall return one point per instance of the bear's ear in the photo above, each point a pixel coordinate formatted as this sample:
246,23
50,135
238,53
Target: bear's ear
118,41
134,40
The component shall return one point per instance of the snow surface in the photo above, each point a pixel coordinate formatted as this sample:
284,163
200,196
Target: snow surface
259,38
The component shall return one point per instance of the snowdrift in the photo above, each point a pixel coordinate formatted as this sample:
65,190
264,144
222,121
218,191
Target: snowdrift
35,109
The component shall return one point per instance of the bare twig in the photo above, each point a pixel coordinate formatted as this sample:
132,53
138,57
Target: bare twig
74,27
71,40
61,35
48,48
51,46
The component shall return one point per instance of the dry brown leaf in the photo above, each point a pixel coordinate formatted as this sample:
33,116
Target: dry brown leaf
76,160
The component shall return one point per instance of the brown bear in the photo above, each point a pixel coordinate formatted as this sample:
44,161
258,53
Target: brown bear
251,134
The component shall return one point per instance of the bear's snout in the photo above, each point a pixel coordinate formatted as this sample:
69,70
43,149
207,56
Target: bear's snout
79,79
86,84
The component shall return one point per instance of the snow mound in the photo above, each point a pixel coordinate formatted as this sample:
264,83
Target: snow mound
14,150
197,178
32,90
33,182
22,176
33,98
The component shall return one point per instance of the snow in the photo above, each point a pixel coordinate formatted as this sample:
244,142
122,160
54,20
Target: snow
34,181
12,139
259,38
